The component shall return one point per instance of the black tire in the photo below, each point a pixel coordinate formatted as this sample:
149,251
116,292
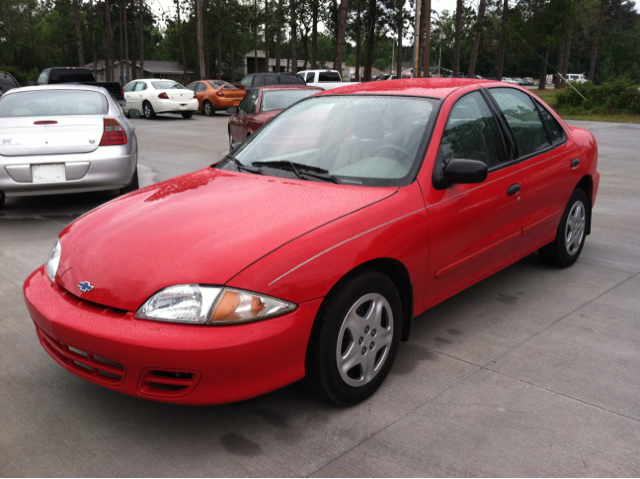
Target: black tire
147,109
208,109
332,339
2,199
563,251
187,114
133,186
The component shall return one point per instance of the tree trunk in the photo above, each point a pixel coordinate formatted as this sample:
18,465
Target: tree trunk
76,17
358,41
423,30
93,34
141,40
266,35
457,41
371,38
181,40
503,41
109,42
567,53
126,42
427,39
233,64
219,40
305,39
314,34
255,35
476,38
400,30
294,36
557,80
596,40
279,36
121,30
342,26
543,70
205,39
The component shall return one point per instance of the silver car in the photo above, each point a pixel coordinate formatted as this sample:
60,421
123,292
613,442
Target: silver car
65,139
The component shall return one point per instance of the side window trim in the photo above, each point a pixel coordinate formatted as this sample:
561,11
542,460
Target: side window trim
508,142
539,108
504,125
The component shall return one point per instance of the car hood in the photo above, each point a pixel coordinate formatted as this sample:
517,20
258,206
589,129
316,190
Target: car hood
203,227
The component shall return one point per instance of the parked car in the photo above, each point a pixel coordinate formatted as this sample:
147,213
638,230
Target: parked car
7,82
527,81
577,77
385,76
307,252
254,80
325,79
216,95
153,96
64,139
261,105
509,80
79,76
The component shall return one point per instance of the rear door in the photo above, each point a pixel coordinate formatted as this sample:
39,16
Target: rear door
545,155
474,228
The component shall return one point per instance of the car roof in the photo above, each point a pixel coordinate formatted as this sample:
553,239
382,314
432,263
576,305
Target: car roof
60,86
426,87
289,87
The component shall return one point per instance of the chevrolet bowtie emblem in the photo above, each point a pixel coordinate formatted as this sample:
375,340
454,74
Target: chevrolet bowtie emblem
85,286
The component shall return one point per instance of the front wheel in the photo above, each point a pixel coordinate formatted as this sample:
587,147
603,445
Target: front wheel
187,114
566,248
355,339
149,114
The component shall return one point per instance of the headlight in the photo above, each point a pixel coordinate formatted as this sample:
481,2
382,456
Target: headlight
196,304
54,261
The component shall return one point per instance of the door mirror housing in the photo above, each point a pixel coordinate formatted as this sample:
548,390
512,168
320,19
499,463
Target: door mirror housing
232,110
465,172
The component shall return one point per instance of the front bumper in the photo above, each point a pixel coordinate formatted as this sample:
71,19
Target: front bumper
105,168
186,364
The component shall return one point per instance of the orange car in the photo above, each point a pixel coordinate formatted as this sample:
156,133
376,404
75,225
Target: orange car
216,95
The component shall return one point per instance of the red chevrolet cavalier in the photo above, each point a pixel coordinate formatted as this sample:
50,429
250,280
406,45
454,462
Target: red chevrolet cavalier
307,252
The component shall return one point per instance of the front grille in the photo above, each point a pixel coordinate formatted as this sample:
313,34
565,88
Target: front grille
83,363
166,383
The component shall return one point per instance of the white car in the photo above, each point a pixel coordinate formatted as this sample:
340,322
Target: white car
509,80
151,96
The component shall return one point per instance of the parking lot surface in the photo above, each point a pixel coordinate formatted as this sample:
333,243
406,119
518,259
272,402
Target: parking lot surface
534,371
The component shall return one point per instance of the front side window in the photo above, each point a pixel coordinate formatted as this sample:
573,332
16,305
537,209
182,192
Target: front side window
42,79
355,139
248,105
523,119
472,133
192,87
129,86
53,103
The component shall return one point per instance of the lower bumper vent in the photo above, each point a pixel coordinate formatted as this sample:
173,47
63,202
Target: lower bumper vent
167,383
83,363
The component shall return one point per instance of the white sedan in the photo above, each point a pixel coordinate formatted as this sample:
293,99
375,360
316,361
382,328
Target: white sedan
153,95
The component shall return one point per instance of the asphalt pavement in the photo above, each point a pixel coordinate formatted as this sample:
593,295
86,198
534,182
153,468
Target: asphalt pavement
534,371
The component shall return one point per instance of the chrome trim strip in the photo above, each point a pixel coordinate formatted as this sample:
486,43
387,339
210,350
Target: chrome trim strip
345,241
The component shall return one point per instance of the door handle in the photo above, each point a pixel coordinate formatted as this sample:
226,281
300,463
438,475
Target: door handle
575,163
513,189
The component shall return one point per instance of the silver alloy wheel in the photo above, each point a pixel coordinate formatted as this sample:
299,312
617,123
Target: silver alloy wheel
207,108
574,229
147,110
364,340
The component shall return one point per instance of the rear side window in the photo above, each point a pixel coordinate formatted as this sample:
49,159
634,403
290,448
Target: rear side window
556,132
246,81
192,87
70,76
472,133
53,103
129,86
523,119
329,76
42,79
140,86
201,87
291,80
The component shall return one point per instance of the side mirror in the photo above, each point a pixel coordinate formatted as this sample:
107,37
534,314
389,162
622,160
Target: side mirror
232,110
31,83
465,171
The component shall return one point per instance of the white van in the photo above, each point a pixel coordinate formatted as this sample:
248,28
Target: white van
576,77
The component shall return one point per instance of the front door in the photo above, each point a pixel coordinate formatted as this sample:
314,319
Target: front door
473,228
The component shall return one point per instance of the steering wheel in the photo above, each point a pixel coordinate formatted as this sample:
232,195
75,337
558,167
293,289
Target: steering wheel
406,159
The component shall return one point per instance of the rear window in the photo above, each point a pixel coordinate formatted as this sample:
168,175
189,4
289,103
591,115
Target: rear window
279,100
329,76
70,76
217,84
167,85
291,80
53,103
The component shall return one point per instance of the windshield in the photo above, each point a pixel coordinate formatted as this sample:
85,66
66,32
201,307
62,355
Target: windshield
367,140
53,103
166,85
280,100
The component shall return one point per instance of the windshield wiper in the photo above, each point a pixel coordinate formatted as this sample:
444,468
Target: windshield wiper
299,169
241,166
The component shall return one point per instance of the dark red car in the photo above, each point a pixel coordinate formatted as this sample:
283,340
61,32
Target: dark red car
261,105
307,252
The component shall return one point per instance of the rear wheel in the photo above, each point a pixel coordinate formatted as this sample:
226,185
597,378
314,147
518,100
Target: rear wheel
208,108
149,114
354,339
133,186
566,248
187,114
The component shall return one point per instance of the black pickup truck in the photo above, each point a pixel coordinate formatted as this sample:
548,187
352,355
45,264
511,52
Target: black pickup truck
82,76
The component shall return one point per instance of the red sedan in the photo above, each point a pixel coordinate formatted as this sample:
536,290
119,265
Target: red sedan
261,105
307,252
